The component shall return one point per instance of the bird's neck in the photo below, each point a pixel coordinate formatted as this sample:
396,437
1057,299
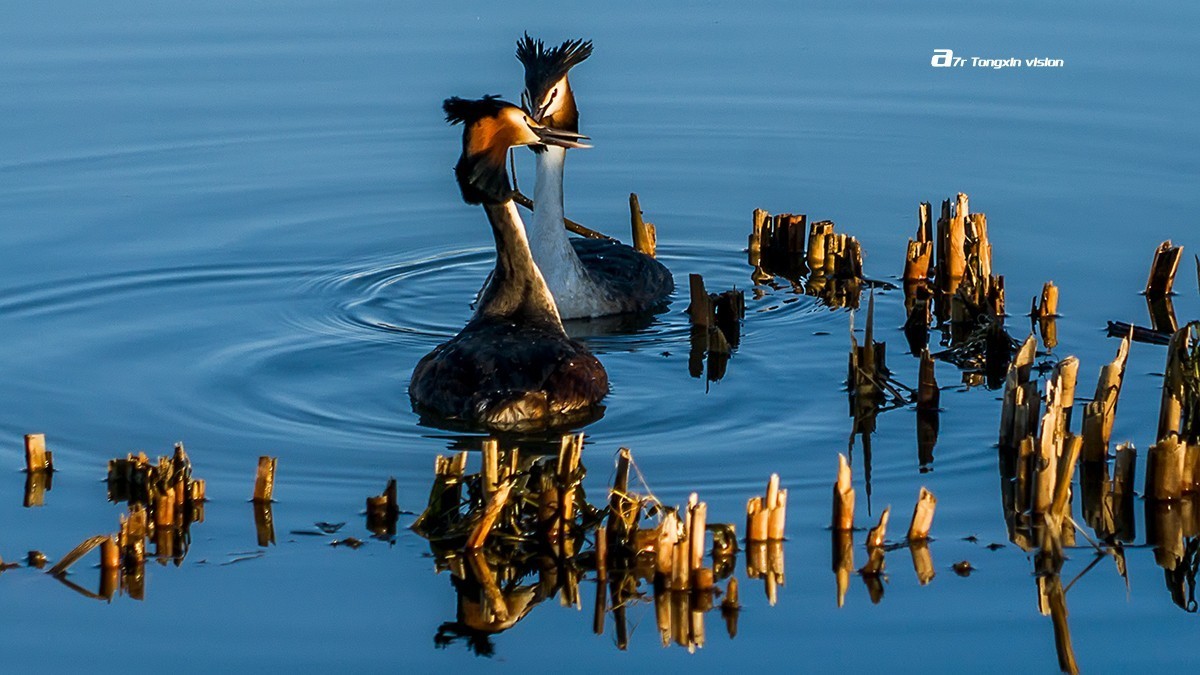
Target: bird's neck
547,237
517,287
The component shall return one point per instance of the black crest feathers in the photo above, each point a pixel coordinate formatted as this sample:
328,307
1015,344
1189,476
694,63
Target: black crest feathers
464,111
544,67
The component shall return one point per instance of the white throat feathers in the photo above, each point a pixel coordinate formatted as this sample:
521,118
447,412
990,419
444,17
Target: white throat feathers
575,292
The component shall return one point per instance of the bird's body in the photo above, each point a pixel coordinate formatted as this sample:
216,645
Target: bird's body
588,278
508,375
512,367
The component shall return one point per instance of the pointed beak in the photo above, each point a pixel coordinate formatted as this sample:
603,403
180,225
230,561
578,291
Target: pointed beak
563,139
527,105
537,114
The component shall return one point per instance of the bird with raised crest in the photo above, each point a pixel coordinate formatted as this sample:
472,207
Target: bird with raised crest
512,367
587,277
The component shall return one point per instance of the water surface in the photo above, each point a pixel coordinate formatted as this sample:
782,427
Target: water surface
235,225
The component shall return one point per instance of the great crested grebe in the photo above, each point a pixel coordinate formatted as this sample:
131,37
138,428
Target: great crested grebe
512,366
588,277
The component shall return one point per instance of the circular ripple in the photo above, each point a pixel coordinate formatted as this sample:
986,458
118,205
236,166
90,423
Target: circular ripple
323,352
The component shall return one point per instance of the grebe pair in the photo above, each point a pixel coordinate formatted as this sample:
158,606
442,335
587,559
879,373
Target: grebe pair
513,366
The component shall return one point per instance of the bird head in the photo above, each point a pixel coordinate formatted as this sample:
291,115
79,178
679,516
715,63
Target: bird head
547,96
490,127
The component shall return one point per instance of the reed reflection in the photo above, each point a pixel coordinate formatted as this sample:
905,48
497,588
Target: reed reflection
716,329
521,531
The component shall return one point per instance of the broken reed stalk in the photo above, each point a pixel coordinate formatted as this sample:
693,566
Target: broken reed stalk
1165,468
1048,305
868,372
757,520
620,505
916,262
1048,449
601,553
754,245
1060,505
37,458
490,451
1100,413
1162,270
264,480
645,238
843,498
569,453
384,503
778,511
920,250
877,534
666,536
383,511
1180,408
495,505
817,233
78,552
1067,373
1015,413
701,308
777,246
698,520
445,495
766,516
922,519
680,576
110,554
952,239
569,224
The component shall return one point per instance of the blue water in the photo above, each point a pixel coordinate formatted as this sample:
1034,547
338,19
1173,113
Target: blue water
234,224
